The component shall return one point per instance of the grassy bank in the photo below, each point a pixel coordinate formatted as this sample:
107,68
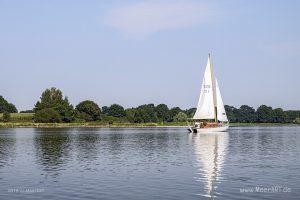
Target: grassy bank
86,124
26,120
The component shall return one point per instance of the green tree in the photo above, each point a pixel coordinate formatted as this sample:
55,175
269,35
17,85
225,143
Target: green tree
131,114
247,114
279,116
147,113
291,115
53,98
105,110
6,117
162,112
7,107
47,115
231,113
264,114
190,112
88,110
142,114
180,117
173,112
116,110
66,111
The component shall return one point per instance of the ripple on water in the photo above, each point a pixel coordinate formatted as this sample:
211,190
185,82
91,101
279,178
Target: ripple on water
149,163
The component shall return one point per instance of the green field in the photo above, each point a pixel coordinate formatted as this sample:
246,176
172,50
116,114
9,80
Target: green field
20,117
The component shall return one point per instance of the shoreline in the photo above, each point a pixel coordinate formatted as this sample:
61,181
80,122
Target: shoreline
124,125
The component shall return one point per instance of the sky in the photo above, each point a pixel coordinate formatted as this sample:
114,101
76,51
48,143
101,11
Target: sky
138,52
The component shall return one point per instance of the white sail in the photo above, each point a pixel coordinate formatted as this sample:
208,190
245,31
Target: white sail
221,113
207,100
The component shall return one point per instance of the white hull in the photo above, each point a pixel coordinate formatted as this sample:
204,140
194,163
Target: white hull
211,130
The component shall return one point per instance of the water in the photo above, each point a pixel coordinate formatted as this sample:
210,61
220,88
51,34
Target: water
149,163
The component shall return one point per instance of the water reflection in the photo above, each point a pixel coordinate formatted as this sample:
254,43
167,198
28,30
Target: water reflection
87,145
210,151
151,140
115,142
153,146
149,163
7,147
53,148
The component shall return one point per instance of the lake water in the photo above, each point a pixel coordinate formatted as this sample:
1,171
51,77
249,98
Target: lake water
149,163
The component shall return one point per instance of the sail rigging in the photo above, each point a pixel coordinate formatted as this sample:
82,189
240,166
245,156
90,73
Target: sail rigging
210,104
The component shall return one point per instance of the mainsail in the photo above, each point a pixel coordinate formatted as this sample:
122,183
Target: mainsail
207,101
210,104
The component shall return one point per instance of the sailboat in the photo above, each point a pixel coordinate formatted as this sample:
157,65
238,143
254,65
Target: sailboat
210,115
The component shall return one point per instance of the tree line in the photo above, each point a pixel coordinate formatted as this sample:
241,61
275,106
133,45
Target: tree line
263,114
53,107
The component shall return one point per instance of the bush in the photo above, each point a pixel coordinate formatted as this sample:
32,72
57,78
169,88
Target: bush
78,120
112,120
88,110
130,114
174,111
83,117
47,115
180,117
6,117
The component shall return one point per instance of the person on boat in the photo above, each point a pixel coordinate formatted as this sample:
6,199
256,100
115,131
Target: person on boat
197,125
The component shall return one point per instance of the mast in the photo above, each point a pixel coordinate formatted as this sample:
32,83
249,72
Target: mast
213,89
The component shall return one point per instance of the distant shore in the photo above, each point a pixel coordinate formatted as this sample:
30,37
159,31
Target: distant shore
121,125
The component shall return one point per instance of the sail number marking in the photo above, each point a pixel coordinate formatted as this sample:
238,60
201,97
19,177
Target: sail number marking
206,88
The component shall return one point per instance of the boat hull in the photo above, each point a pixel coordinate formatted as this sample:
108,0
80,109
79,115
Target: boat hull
210,130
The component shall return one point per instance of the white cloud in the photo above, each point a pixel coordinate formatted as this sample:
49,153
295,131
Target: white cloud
145,18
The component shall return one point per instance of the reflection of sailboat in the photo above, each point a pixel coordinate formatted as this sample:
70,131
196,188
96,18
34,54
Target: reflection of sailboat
210,151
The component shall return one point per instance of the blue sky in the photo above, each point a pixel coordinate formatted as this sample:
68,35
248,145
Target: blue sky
137,52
